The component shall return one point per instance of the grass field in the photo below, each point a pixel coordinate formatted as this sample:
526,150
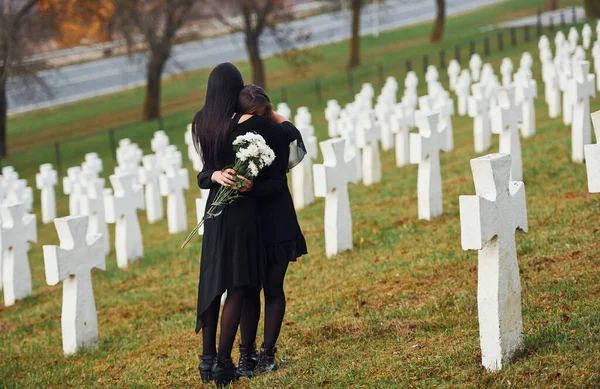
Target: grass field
398,311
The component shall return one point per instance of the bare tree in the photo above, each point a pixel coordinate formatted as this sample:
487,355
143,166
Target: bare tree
438,27
13,44
551,5
152,24
354,58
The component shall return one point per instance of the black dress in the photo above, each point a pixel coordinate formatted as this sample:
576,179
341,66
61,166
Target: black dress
232,250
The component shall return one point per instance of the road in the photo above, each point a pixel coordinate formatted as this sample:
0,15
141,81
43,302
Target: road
77,82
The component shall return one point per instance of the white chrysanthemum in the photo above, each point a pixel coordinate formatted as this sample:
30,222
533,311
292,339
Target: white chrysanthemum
267,157
242,155
253,169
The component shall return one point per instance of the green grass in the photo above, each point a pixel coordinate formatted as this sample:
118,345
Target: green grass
398,311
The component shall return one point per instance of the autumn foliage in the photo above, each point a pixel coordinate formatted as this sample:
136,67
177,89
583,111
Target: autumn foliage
79,22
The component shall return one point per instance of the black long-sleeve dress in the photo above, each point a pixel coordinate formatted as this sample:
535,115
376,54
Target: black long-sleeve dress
233,249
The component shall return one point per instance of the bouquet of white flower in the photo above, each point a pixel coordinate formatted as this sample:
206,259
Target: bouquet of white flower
252,154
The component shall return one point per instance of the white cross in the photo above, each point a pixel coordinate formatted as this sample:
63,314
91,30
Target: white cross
383,111
475,66
17,229
332,114
92,163
445,107
462,91
592,157
19,192
563,67
172,185
45,181
573,38
596,56
159,142
425,150
347,127
121,208
71,187
526,91
506,69
488,222
479,110
92,205
431,77
401,122
148,175
368,135
302,180
331,182
453,72
552,91
72,262
543,43
582,88
192,153
284,110
129,157
506,118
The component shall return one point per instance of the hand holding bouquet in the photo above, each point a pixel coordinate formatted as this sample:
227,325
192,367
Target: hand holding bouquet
252,154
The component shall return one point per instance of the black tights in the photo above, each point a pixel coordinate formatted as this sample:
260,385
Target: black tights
274,308
232,311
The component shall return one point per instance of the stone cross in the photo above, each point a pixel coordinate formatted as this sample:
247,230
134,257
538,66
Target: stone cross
506,69
172,184
121,209
525,64
19,192
284,110
445,107
92,205
331,182
332,114
579,54
592,157
367,92
425,150
573,38
598,29
383,111
488,223
302,178
72,262
159,142
462,91
192,153
71,187
551,89
200,212
526,91
543,43
148,175
431,77
92,164
475,66
559,41
479,110
17,229
129,156
582,88
368,135
596,56
348,131
45,181
506,118
564,70
401,122
587,33
453,72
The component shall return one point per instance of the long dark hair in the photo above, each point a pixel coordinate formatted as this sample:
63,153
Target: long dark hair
254,100
211,124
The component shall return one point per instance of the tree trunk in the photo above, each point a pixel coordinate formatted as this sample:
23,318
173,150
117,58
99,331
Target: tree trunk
438,28
354,59
256,61
3,112
551,5
156,66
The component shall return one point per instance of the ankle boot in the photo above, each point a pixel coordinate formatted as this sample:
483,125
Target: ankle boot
266,360
248,360
205,367
224,372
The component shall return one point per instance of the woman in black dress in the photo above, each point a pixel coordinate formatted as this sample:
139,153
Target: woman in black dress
283,238
233,256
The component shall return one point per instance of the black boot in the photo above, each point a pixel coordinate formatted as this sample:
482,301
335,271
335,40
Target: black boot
205,367
266,360
224,372
248,361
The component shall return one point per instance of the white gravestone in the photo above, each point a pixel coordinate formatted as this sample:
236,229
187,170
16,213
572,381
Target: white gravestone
284,110
192,153
302,179
121,209
17,229
401,122
425,150
92,164
71,184
582,88
598,29
148,175
19,192
564,78
453,72
475,65
506,118
172,184
551,90
573,38
331,182
72,262
543,43
526,91
200,212
596,56
92,205
368,135
592,157
431,78
383,111
332,114
488,223
45,181
462,91
506,69
445,107
348,132
587,33
479,110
